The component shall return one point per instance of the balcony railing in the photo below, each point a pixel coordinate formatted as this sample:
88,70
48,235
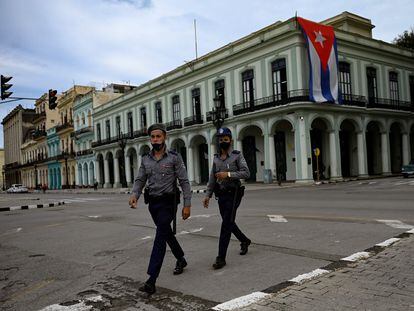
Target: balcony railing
64,126
303,95
84,152
386,103
39,134
196,119
140,133
39,116
176,124
271,101
81,131
67,155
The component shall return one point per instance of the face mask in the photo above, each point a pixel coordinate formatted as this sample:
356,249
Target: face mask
225,145
157,147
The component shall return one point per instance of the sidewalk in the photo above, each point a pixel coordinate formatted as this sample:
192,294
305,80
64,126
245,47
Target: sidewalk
382,282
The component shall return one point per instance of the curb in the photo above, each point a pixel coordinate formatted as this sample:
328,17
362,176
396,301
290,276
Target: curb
249,299
24,207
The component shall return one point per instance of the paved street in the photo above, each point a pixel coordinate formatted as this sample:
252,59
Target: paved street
96,246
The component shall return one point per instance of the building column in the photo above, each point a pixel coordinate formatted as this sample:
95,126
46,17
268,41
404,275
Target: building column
302,148
190,164
77,175
362,154
406,156
238,144
335,155
272,155
117,182
97,172
267,167
106,173
385,153
128,170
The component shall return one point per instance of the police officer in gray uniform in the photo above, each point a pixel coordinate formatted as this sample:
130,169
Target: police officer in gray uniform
160,169
227,170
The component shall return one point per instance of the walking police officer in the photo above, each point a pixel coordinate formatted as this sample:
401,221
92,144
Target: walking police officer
227,170
161,168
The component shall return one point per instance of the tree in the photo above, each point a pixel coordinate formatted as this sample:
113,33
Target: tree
405,40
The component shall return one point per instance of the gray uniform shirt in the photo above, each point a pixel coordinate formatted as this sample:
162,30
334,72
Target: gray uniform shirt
235,163
161,175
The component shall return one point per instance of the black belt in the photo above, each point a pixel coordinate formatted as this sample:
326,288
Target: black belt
165,197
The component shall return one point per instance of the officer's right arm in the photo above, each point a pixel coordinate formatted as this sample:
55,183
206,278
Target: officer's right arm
210,186
139,184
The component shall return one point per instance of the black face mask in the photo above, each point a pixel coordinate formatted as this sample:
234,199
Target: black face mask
225,145
158,147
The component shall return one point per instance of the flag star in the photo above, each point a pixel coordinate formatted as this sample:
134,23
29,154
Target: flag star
319,38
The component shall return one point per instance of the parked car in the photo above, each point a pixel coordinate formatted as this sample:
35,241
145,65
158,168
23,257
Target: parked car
17,188
408,170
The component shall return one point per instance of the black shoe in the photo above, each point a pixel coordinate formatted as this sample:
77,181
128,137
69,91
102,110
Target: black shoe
179,266
147,288
220,263
244,247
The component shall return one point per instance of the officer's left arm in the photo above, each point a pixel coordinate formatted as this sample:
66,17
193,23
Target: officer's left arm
181,173
243,172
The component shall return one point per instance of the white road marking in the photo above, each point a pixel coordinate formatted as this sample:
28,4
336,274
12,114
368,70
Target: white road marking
74,200
240,302
411,231
277,218
388,242
191,231
94,216
146,237
17,230
81,306
398,224
202,216
307,276
356,256
372,182
401,183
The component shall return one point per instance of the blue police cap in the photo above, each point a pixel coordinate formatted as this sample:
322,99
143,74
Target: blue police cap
224,131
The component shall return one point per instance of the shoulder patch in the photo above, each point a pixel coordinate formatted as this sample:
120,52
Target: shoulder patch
236,152
146,154
173,152
216,155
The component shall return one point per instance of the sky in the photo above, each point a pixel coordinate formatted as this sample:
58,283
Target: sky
48,44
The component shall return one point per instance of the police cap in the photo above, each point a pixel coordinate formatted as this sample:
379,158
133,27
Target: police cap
157,126
224,131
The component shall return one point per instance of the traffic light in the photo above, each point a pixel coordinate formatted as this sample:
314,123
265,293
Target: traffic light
52,99
5,87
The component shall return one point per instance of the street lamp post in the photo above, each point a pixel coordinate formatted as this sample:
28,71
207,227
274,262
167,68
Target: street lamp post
218,115
122,141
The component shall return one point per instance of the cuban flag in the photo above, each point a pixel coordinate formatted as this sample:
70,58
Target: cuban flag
323,59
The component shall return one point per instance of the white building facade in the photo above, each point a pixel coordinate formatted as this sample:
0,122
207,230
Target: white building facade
262,81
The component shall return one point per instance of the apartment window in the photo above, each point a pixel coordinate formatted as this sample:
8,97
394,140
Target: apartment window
372,85
411,81
158,112
393,79
130,123
83,119
247,86
108,129
176,108
196,102
345,85
118,125
279,79
219,91
98,131
143,118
